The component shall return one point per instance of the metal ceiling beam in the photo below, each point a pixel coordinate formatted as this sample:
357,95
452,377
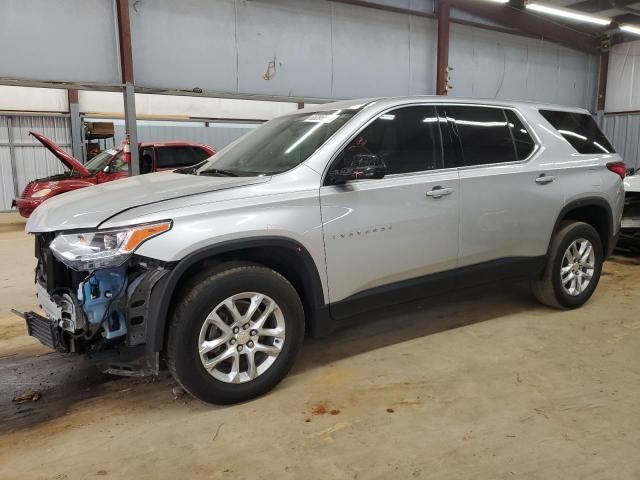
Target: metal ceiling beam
527,22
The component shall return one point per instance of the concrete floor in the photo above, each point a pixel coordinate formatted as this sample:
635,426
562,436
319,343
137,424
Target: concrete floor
489,386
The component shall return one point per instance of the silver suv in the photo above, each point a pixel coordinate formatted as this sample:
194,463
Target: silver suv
317,217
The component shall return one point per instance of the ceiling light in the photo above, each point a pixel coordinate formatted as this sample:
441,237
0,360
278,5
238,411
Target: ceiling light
500,1
630,29
570,14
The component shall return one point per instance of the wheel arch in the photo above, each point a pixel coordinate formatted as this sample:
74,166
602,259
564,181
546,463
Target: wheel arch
284,255
594,211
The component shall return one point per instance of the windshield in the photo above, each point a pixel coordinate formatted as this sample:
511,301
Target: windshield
100,161
278,145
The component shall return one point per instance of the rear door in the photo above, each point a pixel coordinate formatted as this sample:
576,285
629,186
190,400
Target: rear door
387,231
507,199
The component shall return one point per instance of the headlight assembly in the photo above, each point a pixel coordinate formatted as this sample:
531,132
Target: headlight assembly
86,251
41,193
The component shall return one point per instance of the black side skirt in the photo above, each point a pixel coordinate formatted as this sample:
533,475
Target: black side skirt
515,268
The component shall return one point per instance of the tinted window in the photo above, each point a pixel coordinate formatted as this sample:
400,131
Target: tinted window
521,137
580,130
175,157
407,139
484,134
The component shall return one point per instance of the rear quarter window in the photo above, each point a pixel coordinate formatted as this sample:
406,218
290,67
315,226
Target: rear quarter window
580,130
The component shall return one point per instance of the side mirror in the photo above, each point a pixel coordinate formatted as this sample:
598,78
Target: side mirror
362,166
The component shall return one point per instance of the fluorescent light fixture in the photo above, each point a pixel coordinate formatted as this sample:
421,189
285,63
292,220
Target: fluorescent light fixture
500,1
630,29
570,14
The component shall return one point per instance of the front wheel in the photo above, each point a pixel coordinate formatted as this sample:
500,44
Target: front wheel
573,267
235,333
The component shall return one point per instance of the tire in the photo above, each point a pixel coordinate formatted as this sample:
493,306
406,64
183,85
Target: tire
550,288
231,382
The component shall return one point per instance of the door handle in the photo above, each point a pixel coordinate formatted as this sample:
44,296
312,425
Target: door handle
439,192
544,179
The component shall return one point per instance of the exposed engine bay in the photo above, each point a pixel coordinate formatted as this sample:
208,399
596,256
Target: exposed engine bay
101,313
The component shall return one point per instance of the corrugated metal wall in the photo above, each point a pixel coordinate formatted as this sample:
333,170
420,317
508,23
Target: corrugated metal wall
624,132
30,159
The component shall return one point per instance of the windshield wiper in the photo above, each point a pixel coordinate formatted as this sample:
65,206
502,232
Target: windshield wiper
218,173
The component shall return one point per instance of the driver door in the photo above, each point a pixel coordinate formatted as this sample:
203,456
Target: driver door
389,232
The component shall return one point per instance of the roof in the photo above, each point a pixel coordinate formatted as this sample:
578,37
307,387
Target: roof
391,101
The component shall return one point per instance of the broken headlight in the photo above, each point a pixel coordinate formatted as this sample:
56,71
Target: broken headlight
86,251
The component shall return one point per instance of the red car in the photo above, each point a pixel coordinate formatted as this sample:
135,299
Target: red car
105,167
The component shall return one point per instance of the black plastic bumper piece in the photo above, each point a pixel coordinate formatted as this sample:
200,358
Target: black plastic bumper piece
44,330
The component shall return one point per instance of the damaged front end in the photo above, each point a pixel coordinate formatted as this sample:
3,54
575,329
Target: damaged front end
97,303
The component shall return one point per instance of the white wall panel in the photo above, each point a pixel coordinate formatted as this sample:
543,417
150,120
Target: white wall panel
110,103
186,44
321,49
216,135
291,36
499,65
623,82
63,40
624,133
33,99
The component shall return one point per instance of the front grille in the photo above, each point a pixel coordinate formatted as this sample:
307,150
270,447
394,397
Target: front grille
52,273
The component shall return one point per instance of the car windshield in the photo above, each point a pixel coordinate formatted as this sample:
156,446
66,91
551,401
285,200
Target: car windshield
276,146
101,160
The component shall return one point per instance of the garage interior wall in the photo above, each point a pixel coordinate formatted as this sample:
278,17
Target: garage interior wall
249,48
621,122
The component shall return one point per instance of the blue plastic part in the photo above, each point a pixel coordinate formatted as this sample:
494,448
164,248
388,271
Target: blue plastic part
96,294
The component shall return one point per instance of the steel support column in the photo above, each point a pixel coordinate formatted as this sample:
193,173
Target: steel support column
602,81
12,157
76,125
442,65
126,65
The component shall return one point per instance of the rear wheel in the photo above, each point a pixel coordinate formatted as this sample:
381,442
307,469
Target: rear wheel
235,333
573,267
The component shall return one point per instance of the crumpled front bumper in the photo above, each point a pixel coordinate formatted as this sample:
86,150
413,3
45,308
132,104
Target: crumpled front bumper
125,354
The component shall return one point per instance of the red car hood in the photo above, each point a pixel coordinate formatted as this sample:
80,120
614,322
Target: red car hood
70,162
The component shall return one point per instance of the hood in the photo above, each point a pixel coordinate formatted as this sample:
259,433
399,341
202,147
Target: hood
68,161
89,207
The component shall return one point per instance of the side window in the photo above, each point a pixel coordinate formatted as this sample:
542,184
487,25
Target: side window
521,137
484,134
580,130
176,157
407,139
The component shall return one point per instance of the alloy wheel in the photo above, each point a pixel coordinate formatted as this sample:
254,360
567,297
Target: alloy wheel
241,337
578,266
